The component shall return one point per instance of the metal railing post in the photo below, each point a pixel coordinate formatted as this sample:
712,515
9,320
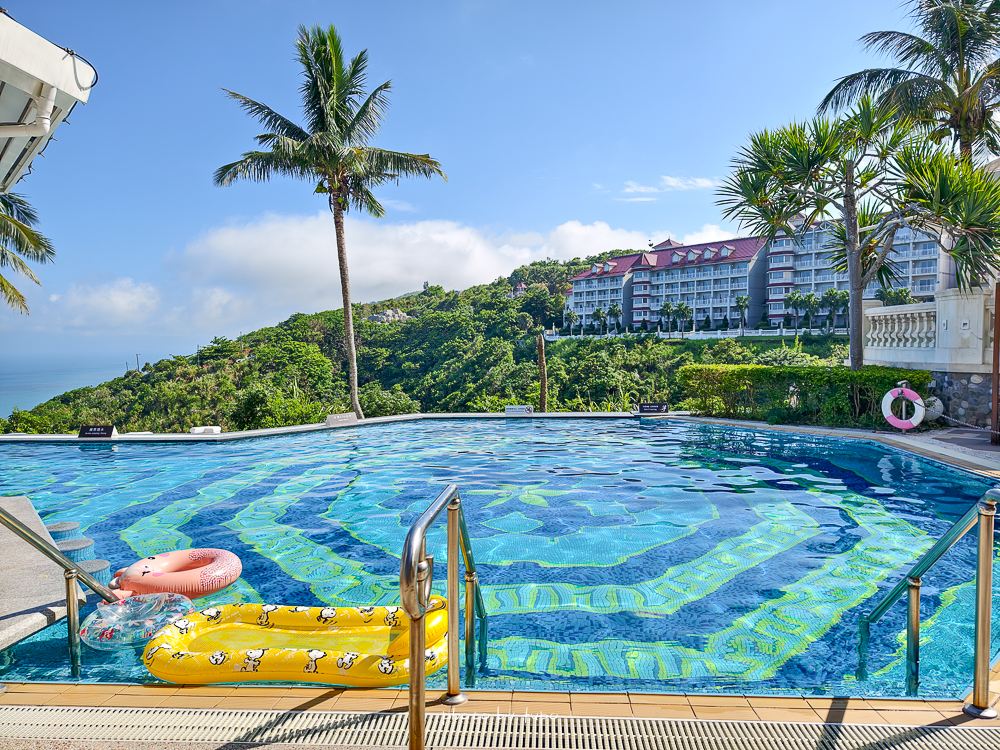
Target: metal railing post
417,648
455,695
471,582
980,705
73,619
912,635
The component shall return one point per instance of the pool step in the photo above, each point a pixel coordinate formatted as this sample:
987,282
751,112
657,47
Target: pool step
78,549
63,530
100,569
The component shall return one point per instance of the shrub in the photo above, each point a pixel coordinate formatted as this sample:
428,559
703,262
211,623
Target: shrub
832,396
376,402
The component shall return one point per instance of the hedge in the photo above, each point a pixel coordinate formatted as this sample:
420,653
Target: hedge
831,396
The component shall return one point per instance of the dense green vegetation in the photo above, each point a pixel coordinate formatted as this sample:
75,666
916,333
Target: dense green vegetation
835,397
462,351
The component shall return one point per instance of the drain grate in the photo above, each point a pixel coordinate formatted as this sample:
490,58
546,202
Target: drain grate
478,731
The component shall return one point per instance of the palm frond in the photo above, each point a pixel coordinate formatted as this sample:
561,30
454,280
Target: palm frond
12,297
268,117
260,166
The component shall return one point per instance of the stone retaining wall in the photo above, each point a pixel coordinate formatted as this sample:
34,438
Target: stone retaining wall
966,396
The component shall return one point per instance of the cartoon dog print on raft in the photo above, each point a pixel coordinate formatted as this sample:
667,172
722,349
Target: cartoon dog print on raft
212,613
367,613
327,615
182,625
152,651
252,661
391,616
387,665
300,609
266,611
217,657
346,660
314,656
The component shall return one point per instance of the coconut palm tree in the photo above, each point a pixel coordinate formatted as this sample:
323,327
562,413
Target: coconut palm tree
742,305
947,76
572,318
684,313
600,317
794,302
667,313
19,242
332,150
615,311
810,303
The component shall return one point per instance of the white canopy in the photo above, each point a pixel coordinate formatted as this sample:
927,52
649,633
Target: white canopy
40,83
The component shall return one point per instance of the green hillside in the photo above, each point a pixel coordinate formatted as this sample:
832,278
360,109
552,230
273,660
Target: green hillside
462,351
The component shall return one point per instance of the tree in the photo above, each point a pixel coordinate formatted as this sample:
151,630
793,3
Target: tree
742,305
572,318
684,313
810,303
615,311
600,317
667,312
891,297
19,242
868,174
331,150
947,77
836,300
794,302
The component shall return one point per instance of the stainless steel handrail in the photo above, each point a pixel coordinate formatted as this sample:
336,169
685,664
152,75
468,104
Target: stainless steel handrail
71,573
984,512
416,574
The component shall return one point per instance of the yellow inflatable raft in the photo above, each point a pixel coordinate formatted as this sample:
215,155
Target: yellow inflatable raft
360,647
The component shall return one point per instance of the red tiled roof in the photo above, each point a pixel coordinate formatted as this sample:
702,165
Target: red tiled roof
743,248
621,265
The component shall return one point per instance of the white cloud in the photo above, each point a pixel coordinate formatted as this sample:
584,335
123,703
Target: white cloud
668,184
54,297
120,304
707,233
397,205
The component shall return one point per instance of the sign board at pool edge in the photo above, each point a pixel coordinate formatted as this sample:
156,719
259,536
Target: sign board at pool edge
654,408
341,420
98,431
522,410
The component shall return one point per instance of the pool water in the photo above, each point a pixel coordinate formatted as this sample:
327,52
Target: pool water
641,555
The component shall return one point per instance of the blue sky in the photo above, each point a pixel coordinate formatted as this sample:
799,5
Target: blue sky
565,128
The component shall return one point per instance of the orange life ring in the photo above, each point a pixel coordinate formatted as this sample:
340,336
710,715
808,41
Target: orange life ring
191,572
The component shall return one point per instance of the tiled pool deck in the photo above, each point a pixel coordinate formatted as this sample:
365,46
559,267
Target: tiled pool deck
613,705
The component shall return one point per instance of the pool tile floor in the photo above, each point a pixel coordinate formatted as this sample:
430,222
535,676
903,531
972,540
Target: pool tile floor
616,705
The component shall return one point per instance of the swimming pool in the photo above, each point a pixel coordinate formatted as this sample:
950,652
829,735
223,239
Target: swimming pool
614,554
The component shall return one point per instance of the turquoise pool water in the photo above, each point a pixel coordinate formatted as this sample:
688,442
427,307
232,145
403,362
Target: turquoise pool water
615,554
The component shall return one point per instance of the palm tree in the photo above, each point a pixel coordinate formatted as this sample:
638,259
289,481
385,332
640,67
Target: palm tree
742,305
615,311
332,149
18,240
810,303
600,317
573,319
794,302
667,311
947,76
684,312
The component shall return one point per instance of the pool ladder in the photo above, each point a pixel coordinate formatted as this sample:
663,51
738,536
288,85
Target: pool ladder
416,575
71,572
984,512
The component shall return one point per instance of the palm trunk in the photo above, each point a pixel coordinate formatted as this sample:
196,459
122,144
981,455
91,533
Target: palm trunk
345,290
855,278
543,378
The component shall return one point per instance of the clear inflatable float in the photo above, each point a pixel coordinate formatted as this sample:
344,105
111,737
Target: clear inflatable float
130,622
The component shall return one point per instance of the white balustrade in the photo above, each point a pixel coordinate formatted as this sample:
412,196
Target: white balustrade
903,326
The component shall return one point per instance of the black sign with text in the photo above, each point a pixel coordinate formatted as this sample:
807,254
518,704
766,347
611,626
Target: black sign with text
654,408
98,431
